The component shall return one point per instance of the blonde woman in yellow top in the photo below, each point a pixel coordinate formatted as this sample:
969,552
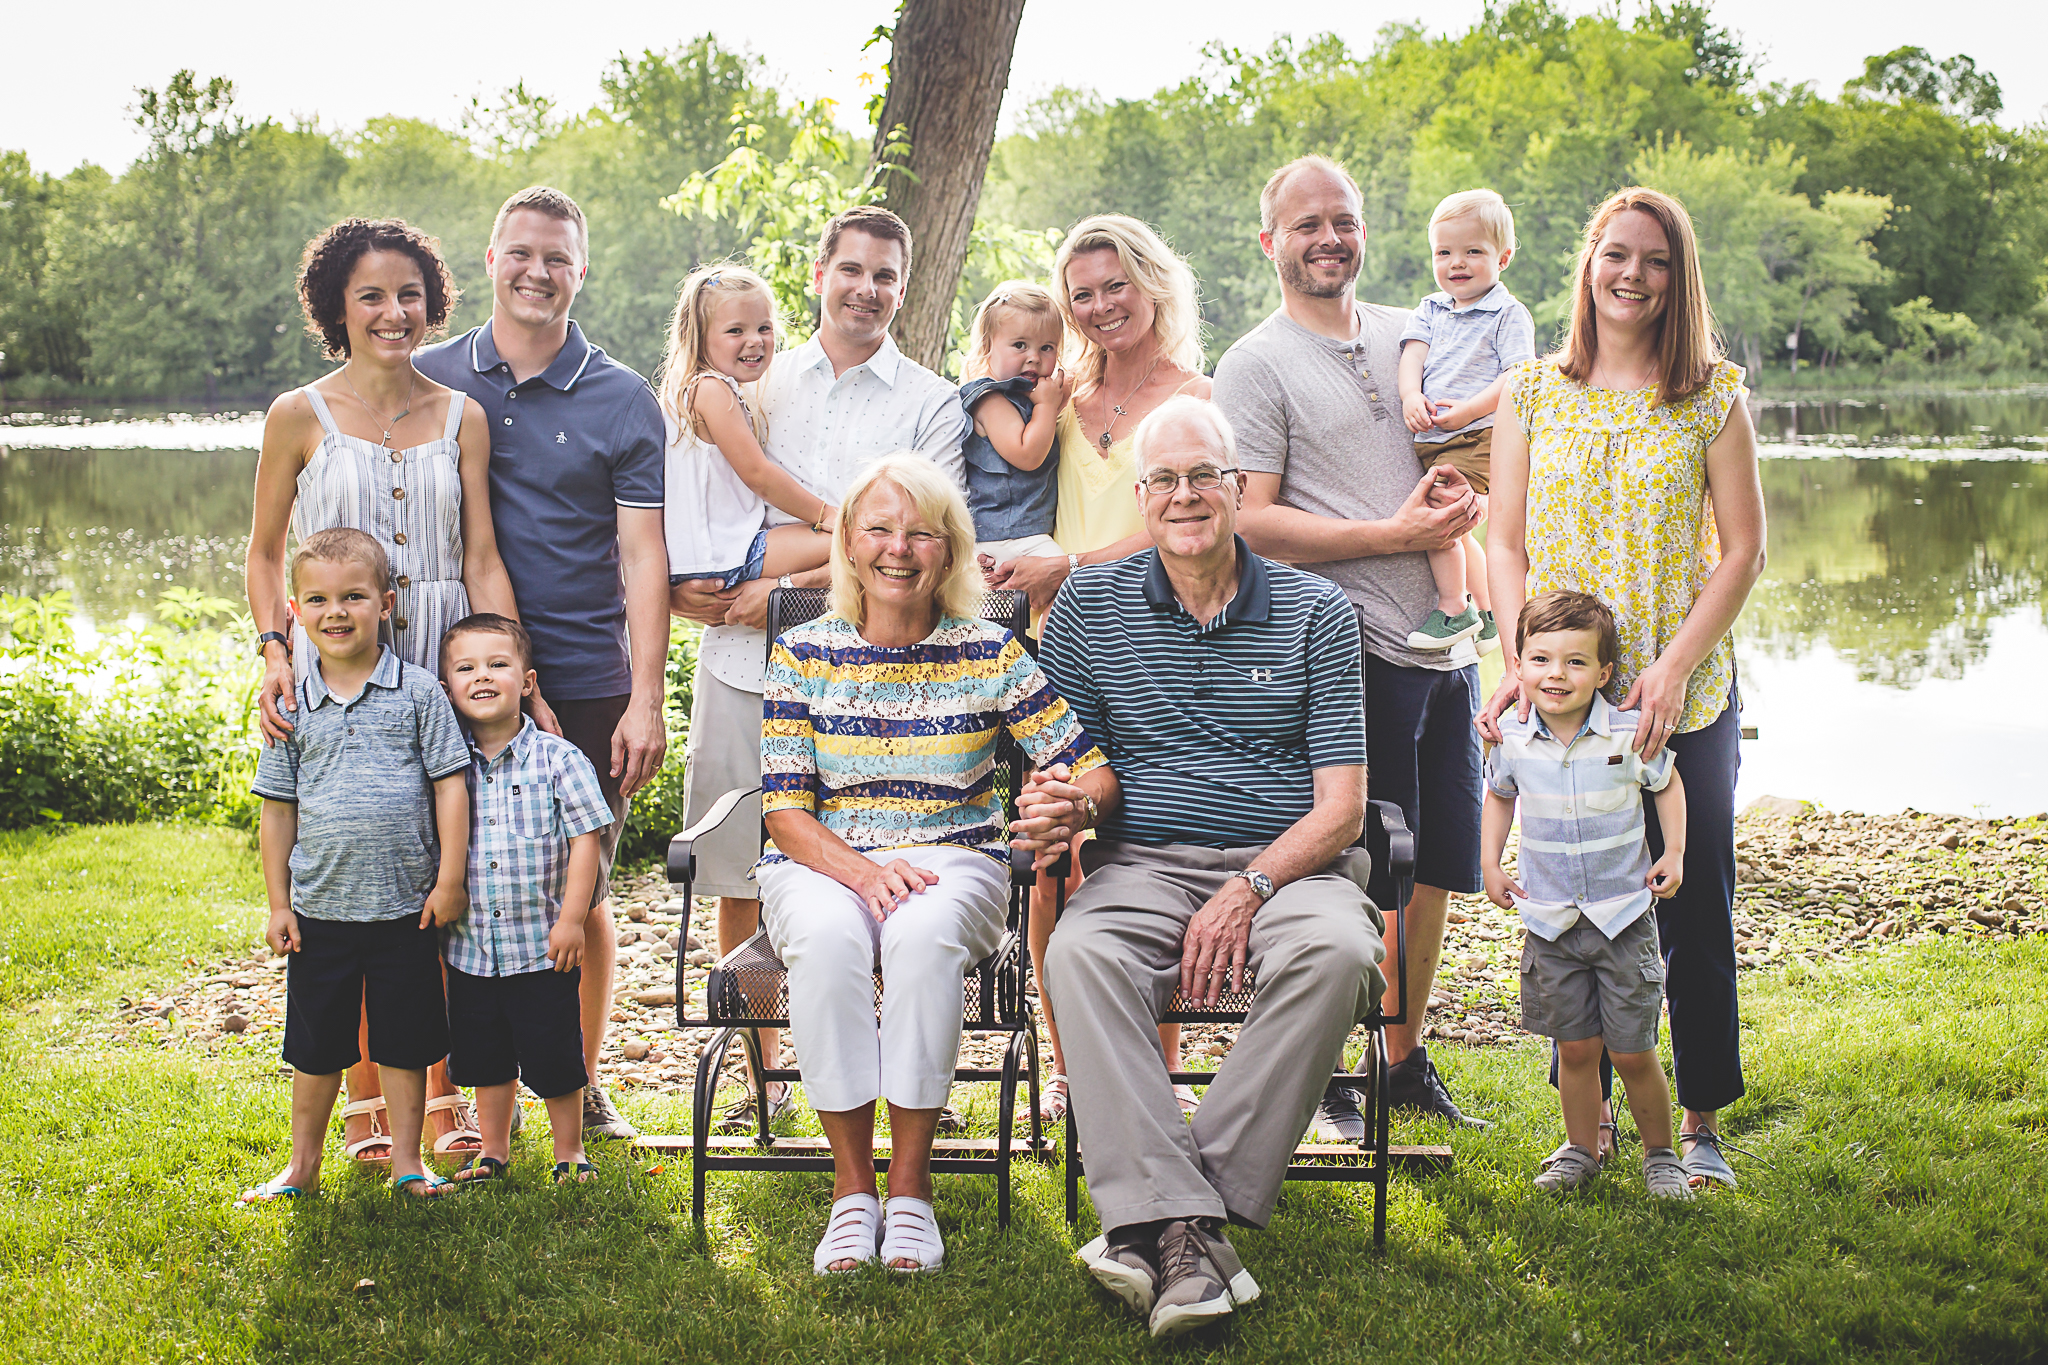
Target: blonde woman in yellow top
1134,318
1625,466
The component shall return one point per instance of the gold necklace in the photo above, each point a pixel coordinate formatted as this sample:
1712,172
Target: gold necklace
1117,409
378,417
1599,366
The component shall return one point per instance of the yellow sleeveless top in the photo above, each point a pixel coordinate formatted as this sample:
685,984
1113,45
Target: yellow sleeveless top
1097,503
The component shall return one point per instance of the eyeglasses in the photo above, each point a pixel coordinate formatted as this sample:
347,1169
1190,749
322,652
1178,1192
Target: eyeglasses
1162,483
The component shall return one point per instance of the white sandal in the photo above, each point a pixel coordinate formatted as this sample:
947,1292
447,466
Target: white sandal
849,1233
380,1132
911,1233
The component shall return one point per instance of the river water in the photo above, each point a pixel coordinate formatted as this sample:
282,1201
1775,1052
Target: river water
1887,658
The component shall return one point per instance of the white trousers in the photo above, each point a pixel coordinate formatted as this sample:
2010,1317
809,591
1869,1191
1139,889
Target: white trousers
833,946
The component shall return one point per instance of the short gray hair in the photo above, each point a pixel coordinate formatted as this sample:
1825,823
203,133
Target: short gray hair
1198,412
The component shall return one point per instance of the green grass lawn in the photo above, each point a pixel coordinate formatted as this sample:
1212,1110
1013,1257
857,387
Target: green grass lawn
1898,1109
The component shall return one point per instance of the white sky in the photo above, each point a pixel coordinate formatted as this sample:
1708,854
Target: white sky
72,71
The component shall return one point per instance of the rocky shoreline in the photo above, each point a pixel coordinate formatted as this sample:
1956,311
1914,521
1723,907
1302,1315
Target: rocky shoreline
1815,887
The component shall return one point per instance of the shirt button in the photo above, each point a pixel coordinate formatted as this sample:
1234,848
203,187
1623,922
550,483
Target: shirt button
398,493
399,623
508,421
494,865
490,779
397,457
513,394
404,581
398,538
496,914
351,729
494,820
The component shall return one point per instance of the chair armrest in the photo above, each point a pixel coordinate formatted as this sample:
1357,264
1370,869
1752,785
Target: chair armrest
682,858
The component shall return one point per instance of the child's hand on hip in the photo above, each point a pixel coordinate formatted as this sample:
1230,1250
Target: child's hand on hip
281,932
445,905
565,944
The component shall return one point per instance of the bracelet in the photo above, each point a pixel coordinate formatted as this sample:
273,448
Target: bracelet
1073,563
818,526
268,637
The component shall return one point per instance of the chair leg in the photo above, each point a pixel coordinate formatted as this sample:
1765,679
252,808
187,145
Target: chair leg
1031,1052
701,1105
1012,1057
1073,1171
752,1037
1381,1162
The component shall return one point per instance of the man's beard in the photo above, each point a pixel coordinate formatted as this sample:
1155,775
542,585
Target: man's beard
1295,274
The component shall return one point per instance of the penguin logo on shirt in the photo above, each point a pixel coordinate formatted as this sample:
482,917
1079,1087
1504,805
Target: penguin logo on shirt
561,438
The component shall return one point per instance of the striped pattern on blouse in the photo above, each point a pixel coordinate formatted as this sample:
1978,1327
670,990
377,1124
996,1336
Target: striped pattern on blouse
411,501
895,748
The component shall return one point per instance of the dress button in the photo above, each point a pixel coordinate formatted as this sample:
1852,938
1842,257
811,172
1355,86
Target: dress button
397,457
398,538
508,421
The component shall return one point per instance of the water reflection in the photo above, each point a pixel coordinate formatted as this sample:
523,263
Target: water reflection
2014,421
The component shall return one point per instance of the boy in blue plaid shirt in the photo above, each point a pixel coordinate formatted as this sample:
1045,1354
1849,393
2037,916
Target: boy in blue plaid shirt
514,962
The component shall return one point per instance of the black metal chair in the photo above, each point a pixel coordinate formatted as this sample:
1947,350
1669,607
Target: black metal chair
749,989
1387,839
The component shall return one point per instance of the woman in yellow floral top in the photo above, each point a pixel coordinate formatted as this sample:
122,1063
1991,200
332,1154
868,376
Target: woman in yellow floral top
1625,466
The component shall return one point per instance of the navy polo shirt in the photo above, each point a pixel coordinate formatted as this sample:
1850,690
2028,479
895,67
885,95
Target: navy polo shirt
569,447
1214,730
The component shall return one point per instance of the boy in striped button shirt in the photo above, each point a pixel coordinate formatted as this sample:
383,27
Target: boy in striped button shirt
514,962
1592,973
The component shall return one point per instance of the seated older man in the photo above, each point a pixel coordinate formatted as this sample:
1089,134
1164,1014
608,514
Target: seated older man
1225,691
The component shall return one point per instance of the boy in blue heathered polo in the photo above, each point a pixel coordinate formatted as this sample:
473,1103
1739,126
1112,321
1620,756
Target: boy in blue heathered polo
365,832
514,962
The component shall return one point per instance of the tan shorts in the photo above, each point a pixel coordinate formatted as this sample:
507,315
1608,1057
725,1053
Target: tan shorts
1469,452
724,753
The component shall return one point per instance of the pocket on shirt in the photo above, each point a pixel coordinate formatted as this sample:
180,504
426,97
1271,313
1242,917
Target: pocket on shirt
1608,800
533,810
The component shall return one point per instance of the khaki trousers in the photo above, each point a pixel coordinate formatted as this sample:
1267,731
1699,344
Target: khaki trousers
1112,968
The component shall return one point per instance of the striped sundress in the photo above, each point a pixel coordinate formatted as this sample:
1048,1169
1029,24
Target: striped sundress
411,501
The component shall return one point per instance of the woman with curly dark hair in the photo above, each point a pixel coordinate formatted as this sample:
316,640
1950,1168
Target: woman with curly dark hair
377,446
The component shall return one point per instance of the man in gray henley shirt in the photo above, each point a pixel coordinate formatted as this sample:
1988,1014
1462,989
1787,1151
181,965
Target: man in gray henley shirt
1333,486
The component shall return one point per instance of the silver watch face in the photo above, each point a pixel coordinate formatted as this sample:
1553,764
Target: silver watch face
1261,883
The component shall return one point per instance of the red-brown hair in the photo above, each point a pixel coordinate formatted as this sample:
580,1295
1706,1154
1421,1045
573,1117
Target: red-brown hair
1687,349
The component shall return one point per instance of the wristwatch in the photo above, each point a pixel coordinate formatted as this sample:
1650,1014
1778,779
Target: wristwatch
267,636
786,581
1261,883
1073,563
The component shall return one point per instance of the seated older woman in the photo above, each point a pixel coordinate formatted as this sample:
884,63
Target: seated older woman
888,842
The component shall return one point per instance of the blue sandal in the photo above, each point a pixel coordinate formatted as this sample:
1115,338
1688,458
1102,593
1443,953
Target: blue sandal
479,1168
581,1172
432,1187
269,1192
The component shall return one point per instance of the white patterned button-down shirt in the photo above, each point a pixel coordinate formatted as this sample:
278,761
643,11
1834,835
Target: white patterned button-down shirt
525,806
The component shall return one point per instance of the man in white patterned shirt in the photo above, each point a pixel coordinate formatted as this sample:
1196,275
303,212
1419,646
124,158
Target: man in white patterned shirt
833,406
514,961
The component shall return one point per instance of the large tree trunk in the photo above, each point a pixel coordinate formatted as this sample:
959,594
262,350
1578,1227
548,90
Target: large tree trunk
949,63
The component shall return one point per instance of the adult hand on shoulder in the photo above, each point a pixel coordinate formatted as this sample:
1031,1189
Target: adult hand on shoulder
275,691
446,903
1658,697
750,607
1509,693
1217,942
885,886
1049,810
701,600
543,715
639,744
1440,510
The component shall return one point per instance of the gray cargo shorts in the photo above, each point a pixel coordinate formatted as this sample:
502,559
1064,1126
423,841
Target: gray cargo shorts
1586,985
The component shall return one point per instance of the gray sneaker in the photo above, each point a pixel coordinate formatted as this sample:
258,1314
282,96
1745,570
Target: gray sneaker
1127,1268
1337,1117
1567,1168
601,1119
1664,1174
1200,1277
1703,1159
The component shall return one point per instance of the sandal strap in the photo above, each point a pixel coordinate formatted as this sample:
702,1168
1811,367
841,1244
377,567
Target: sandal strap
911,1233
849,1232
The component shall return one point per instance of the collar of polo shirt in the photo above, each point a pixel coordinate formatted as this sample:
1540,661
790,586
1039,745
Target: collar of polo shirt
561,373
1492,301
1253,601
385,674
516,746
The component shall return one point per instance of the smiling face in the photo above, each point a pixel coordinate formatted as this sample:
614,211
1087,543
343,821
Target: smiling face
1025,342
1188,522
1466,261
861,287
385,306
1109,309
740,336
1317,241
899,557
536,266
1560,672
340,605
1631,270
485,677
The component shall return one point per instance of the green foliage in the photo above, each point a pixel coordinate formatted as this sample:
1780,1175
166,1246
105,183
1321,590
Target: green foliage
144,724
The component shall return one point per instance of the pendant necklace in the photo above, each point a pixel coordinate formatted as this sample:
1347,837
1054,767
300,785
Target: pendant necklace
378,417
1117,409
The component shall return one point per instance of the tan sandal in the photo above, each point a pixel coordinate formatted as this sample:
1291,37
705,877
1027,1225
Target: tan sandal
465,1138
380,1132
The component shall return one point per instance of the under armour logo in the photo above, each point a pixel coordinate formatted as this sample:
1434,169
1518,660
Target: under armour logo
1262,675
561,438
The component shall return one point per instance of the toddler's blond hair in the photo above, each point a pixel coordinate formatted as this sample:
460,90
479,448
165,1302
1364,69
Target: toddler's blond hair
1022,295
1488,207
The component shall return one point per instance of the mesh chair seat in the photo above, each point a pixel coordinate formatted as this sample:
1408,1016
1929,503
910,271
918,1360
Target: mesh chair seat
749,988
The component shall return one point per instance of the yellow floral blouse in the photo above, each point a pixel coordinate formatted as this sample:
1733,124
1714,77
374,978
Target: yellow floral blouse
1618,508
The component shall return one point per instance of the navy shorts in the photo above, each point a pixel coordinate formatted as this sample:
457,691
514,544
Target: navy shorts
389,969
527,1027
1422,754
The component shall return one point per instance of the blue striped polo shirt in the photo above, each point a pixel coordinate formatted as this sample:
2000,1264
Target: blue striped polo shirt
1214,731
1584,847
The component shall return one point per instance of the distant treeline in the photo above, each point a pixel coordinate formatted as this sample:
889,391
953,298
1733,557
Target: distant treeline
1896,225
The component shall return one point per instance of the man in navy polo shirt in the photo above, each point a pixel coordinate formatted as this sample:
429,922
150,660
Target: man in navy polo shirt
576,487
1225,690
